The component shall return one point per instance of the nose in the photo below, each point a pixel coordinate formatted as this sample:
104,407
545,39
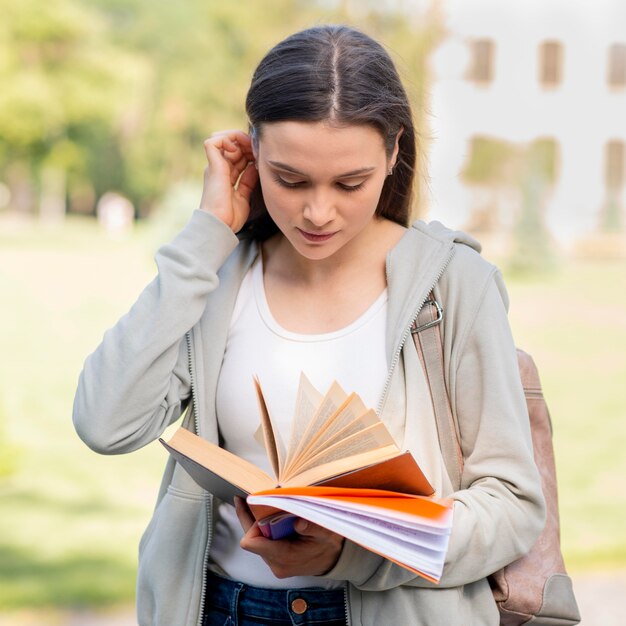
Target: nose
319,208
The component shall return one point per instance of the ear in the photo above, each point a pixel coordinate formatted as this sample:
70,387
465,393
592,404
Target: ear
396,149
254,142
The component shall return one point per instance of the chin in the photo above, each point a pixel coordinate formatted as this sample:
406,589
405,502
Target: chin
315,252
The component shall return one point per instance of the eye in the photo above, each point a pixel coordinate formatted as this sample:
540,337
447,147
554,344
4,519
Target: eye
350,188
286,183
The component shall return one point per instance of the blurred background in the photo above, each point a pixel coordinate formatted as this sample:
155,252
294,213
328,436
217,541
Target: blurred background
104,105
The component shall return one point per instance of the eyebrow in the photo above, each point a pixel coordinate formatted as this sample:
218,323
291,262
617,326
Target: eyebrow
293,170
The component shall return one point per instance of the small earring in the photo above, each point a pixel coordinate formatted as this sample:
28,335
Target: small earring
390,172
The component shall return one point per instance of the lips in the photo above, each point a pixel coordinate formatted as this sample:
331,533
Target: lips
316,237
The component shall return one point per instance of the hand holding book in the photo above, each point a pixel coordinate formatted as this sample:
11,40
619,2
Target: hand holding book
310,549
342,471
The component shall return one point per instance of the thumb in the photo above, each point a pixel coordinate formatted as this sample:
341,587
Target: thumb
314,531
301,526
309,529
247,181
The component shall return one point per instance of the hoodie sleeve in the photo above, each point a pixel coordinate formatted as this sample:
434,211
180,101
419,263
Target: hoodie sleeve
136,382
499,510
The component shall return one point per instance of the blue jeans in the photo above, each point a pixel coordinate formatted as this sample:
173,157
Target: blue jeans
230,603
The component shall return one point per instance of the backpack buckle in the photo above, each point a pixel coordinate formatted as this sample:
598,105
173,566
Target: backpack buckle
418,329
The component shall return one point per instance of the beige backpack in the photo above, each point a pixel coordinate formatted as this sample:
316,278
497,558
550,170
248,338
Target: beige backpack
535,589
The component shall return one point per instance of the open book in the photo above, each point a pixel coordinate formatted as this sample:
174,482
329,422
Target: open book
341,470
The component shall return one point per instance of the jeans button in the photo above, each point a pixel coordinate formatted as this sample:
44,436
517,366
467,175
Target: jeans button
299,606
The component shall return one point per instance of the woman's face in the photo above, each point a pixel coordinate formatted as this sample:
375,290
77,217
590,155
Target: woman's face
321,183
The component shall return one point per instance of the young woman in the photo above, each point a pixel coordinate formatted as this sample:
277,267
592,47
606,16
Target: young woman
300,259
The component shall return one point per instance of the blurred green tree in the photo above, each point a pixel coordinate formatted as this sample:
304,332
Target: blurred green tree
530,170
201,54
614,178
64,89
103,95
532,250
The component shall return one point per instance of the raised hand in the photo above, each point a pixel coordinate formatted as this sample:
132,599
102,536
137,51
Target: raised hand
229,177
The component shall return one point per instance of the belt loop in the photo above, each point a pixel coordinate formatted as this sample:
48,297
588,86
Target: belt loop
234,607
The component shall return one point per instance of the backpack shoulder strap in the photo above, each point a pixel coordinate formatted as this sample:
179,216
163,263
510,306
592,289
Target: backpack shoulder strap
534,588
426,333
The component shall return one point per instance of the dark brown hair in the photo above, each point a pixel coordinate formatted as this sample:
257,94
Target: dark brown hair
342,75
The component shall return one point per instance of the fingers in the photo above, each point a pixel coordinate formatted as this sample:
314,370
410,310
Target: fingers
302,526
310,530
248,181
302,556
313,551
246,519
233,143
235,135
232,149
229,179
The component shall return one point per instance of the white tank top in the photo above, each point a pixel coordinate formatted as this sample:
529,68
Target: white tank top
354,356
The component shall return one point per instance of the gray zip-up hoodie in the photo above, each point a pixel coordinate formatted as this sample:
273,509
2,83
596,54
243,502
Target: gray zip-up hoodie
139,379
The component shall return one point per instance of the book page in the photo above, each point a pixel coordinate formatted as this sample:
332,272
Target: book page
337,430
272,445
333,399
366,440
307,401
347,413
319,473
361,423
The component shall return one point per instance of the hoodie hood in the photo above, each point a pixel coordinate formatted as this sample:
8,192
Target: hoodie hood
413,268
437,230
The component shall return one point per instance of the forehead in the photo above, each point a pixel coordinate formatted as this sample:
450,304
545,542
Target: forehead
312,144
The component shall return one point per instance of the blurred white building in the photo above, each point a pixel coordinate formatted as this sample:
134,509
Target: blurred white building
521,70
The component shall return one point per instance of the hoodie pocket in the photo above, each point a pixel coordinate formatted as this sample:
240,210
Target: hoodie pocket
171,557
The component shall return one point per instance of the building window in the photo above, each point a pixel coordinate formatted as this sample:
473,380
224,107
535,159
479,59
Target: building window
550,63
481,62
617,65
614,177
615,164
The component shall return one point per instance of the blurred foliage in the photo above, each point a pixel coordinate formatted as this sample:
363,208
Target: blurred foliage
64,87
542,160
489,161
494,161
119,94
532,249
530,169
612,215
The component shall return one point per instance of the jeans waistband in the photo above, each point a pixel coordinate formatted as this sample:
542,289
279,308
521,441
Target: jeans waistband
246,604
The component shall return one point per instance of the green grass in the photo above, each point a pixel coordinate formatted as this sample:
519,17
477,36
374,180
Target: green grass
71,520
573,321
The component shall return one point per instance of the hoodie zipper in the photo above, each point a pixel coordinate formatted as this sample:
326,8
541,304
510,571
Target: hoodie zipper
396,356
192,382
207,505
206,499
383,398
346,605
